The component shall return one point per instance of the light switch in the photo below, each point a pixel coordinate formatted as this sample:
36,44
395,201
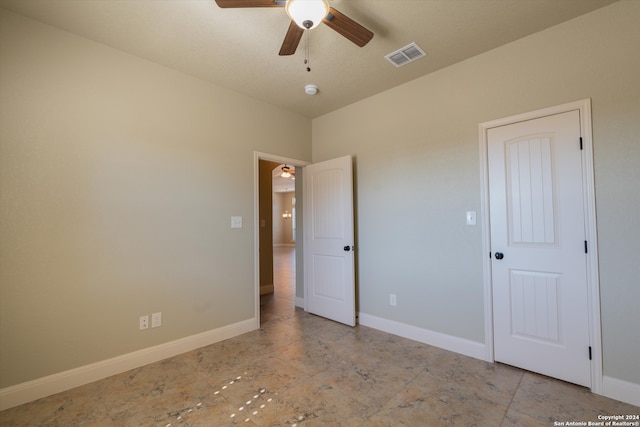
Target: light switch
236,222
471,218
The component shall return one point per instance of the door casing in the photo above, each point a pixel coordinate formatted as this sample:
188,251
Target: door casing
593,284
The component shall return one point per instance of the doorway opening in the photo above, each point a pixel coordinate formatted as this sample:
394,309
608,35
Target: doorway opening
280,302
278,237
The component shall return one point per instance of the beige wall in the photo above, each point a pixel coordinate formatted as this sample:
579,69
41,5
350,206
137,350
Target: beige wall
417,154
118,180
282,228
278,222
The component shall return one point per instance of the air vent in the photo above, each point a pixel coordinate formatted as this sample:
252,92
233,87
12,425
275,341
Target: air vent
404,55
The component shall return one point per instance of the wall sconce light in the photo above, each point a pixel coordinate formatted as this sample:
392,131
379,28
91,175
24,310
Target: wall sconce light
286,215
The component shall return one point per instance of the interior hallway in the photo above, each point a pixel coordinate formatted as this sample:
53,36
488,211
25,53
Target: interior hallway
281,303
302,370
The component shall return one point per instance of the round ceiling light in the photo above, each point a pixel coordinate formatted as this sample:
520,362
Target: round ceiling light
307,14
311,89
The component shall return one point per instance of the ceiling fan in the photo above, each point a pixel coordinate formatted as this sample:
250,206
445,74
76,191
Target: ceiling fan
287,172
305,15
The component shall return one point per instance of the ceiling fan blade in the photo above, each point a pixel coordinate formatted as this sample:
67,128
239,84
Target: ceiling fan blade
348,27
250,3
291,40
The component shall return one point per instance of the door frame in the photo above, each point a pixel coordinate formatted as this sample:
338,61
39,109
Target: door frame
257,156
588,185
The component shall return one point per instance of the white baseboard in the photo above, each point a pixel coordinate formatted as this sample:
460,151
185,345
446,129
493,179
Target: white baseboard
613,388
621,390
299,302
56,383
448,342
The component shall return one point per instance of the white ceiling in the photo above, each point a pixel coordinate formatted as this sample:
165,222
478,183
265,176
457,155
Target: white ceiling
238,48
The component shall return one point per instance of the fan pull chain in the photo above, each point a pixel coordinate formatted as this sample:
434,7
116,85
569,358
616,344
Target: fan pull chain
307,62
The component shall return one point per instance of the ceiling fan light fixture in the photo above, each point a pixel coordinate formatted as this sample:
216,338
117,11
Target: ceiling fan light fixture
286,172
307,14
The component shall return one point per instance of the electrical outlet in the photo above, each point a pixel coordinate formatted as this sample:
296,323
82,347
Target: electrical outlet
392,300
156,320
144,322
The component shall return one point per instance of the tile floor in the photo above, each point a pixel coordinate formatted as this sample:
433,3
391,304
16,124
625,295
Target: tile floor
302,370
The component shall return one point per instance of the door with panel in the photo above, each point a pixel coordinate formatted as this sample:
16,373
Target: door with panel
539,272
328,240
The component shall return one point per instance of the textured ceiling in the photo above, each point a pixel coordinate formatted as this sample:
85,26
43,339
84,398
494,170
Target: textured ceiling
238,48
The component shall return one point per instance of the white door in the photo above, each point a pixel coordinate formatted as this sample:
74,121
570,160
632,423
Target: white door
328,240
539,273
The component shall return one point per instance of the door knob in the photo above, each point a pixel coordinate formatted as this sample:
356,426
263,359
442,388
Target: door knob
499,255
347,248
